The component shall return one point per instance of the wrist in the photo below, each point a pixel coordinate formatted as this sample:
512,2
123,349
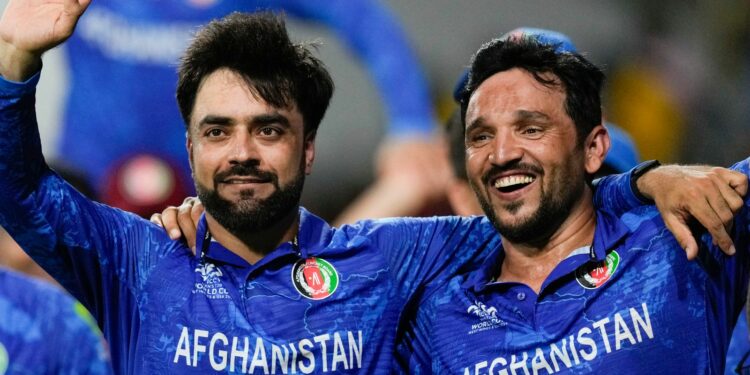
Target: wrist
639,184
18,65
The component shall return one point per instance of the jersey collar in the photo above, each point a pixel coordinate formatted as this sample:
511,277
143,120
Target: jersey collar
610,231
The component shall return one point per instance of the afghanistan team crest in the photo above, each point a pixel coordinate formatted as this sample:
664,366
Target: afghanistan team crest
594,275
314,278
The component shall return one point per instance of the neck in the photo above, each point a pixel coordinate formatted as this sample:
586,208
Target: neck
531,264
253,246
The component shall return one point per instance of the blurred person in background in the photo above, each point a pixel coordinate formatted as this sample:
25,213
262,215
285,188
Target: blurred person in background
45,331
132,48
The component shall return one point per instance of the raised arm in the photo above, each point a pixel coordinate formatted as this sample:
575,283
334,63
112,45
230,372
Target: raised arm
86,246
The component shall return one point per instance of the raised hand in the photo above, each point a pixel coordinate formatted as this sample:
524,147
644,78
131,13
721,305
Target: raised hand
28,28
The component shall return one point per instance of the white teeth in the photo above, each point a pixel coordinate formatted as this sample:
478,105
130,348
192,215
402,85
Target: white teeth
512,180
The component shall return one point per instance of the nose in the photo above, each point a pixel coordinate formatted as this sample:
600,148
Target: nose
243,148
506,148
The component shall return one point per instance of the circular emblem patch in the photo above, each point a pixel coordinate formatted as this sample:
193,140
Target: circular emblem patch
314,278
594,275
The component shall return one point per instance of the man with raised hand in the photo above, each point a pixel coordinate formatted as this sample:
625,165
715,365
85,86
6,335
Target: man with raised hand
272,288
572,288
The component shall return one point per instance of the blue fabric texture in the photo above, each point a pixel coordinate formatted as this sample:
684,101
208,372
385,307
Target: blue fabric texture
739,346
45,331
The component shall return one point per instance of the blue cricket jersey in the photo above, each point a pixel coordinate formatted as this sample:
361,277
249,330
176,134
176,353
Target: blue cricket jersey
132,48
44,331
630,304
332,302
739,347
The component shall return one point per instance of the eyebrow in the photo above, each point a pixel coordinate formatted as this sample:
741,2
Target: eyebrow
271,118
477,123
524,115
521,116
264,119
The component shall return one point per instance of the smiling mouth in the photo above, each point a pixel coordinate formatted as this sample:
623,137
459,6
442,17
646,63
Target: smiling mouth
508,184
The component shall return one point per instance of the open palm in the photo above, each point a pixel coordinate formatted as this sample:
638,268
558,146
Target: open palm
36,26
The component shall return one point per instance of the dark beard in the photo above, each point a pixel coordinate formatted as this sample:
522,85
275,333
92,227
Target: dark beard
251,214
554,208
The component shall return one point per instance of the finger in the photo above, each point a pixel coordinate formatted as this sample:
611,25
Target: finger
736,180
196,211
683,235
169,219
187,225
189,200
156,219
716,199
731,197
706,215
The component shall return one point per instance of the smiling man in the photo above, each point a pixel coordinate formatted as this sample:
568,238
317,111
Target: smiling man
231,135
572,289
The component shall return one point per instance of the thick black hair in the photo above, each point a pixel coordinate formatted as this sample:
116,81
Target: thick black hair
580,79
257,47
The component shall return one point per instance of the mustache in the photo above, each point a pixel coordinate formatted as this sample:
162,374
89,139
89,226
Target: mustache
511,166
247,171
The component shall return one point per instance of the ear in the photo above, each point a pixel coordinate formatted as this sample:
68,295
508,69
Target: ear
596,147
309,152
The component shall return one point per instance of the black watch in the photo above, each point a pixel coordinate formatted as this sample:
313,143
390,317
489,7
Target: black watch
636,173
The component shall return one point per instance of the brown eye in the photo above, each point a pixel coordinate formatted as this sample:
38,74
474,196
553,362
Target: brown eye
214,132
532,132
269,131
478,139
